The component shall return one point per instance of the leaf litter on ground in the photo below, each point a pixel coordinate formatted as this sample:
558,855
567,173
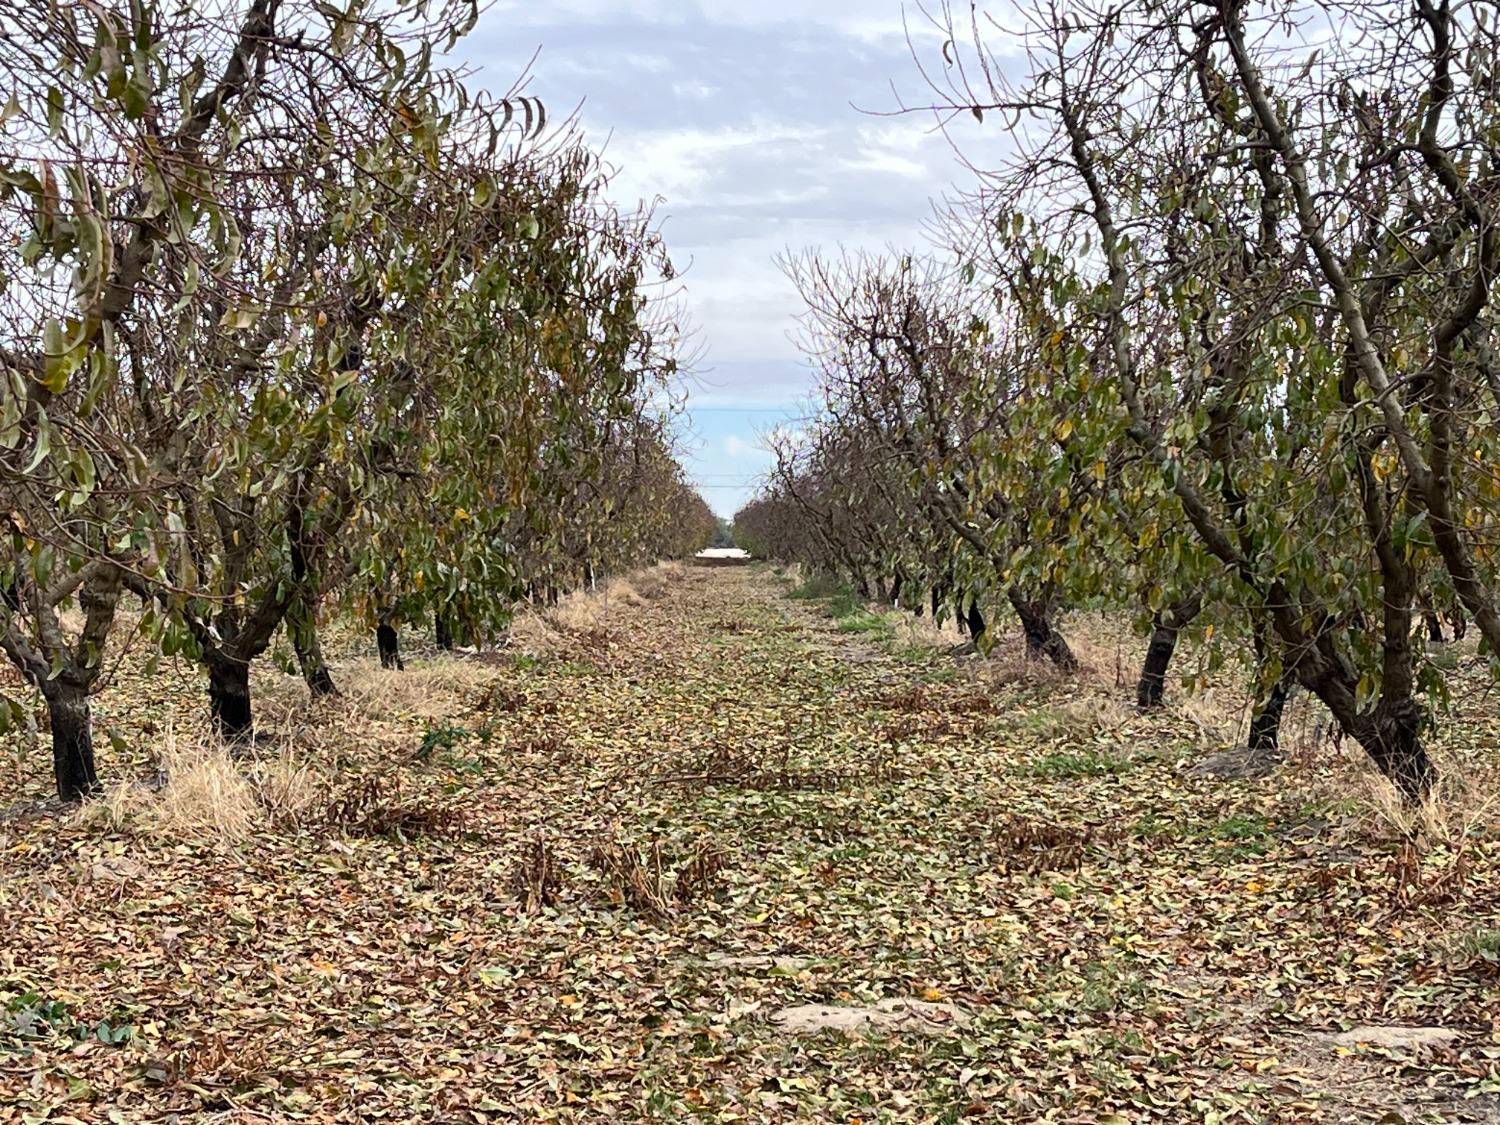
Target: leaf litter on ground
589,885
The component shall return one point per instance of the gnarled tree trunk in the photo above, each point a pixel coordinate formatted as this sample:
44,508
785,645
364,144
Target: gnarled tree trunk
229,697
72,739
1041,638
302,627
1392,736
1265,720
1391,732
64,671
973,621
1167,622
388,641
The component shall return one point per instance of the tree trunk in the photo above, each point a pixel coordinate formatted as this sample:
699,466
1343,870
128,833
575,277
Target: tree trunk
440,630
388,641
897,583
973,620
229,697
1265,720
1151,687
1434,627
1167,622
1392,736
1041,638
937,603
72,740
302,627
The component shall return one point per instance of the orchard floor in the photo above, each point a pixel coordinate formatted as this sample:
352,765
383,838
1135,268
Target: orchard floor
1101,937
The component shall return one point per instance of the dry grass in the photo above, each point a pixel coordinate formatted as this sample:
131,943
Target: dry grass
1103,648
1086,715
535,878
589,615
923,632
290,791
1108,650
1217,714
641,880
654,582
1464,807
205,795
430,689
1218,706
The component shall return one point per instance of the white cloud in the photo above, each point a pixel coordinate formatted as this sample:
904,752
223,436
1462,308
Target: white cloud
746,120
891,163
679,164
864,20
699,90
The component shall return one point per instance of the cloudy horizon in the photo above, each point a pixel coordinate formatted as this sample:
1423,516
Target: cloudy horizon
757,128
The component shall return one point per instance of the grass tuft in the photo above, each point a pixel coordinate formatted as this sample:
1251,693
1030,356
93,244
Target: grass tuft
201,794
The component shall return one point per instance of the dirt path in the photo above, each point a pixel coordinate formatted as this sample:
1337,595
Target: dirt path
1064,929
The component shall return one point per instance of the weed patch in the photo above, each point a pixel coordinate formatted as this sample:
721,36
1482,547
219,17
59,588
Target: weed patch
1089,763
535,879
1031,846
644,881
377,807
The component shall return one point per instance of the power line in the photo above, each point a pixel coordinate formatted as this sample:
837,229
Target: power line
746,410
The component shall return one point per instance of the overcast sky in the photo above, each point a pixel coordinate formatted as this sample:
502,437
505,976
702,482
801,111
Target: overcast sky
741,115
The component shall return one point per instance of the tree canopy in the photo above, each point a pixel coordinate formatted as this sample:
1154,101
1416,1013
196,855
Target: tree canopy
289,312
